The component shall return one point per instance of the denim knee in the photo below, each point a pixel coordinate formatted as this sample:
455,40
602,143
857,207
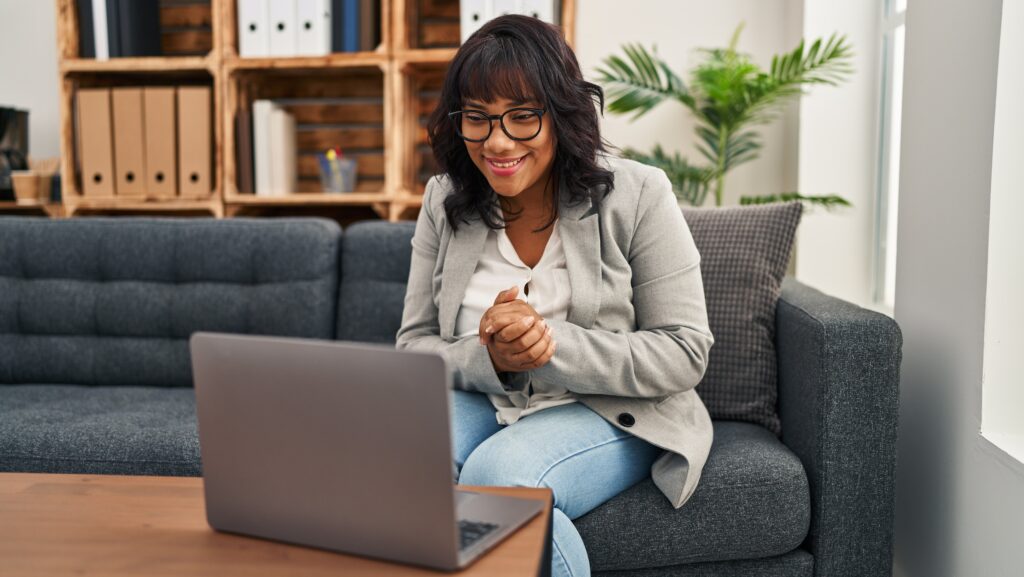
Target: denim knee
505,464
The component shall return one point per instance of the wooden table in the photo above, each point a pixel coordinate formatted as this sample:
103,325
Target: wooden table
112,525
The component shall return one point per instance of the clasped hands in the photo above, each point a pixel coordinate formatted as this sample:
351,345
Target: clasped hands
517,338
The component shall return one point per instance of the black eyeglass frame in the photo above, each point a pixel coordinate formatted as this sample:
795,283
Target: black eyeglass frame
501,121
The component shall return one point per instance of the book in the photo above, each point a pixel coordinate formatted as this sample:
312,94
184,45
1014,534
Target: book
350,21
350,25
283,160
138,28
243,152
369,24
86,40
261,110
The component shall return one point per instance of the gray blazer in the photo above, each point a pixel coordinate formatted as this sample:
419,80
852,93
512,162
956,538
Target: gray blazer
636,340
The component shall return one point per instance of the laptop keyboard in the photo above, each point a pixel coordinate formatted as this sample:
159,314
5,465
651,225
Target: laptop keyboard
472,531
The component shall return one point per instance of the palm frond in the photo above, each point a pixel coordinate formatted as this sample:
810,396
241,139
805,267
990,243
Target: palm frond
689,183
829,202
641,83
827,63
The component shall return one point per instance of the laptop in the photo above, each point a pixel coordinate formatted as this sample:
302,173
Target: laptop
340,446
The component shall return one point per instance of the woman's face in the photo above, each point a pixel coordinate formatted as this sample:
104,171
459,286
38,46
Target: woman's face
493,156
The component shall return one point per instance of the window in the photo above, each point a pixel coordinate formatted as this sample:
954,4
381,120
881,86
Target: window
888,184
1002,411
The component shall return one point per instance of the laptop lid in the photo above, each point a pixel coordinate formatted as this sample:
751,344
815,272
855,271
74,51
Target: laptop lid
336,445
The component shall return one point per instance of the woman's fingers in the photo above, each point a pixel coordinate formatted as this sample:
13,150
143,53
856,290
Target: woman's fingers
523,342
544,358
518,330
533,353
507,295
496,319
540,358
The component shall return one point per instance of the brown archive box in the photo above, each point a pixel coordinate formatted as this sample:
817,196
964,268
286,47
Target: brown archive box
129,148
95,148
161,142
194,158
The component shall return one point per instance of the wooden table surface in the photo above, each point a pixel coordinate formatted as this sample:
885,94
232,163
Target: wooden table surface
113,525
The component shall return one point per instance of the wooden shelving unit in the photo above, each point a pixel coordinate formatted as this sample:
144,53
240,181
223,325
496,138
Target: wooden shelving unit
371,104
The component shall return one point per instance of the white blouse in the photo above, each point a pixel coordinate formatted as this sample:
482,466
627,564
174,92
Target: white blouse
500,268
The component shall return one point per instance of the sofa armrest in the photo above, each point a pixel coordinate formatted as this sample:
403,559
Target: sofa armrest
838,401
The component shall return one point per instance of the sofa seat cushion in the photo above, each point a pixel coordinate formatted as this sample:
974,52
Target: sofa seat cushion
752,502
100,430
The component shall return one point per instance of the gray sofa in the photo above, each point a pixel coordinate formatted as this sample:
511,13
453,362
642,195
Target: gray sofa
95,316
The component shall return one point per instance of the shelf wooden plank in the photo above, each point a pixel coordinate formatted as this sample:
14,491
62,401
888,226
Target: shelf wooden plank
426,55
212,205
328,61
310,199
144,64
408,199
31,206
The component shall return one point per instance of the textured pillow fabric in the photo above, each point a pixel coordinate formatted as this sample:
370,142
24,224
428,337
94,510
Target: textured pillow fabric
744,254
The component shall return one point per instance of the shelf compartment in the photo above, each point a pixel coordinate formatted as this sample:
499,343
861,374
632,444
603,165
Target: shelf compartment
187,30
420,87
229,16
344,108
73,199
435,24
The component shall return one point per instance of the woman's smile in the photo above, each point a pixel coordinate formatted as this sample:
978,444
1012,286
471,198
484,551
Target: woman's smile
505,166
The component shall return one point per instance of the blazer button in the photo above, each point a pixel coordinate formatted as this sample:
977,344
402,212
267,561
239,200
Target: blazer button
626,420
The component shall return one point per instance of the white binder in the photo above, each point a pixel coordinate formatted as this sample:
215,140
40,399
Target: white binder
472,15
261,112
314,27
503,7
540,9
253,28
283,33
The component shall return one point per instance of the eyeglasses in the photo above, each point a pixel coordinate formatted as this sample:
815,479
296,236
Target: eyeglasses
475,126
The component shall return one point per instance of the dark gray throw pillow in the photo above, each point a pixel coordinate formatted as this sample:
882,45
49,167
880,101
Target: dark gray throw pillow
744,254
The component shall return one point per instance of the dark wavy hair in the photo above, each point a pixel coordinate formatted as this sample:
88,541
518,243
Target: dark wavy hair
520,58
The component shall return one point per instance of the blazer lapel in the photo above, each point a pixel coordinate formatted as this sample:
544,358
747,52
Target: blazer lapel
579,227
460,262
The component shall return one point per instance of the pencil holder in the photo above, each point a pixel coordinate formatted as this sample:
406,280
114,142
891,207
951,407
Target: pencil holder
339,178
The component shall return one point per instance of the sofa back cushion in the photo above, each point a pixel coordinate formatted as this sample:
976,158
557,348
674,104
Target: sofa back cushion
113,301
375,263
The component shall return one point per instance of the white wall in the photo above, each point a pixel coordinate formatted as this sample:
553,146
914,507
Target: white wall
838,148
28,69
678,28
960,500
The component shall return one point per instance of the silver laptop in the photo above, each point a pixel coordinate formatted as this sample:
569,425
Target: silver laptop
340,446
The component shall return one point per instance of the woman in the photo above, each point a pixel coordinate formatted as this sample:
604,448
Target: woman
562,286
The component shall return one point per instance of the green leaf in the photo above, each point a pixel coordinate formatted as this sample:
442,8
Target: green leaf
641,83
690,183
829,202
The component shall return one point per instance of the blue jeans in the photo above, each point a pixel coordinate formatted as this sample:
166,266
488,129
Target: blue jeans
569,449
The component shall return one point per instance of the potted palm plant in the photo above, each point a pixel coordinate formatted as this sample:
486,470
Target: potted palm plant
729,95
